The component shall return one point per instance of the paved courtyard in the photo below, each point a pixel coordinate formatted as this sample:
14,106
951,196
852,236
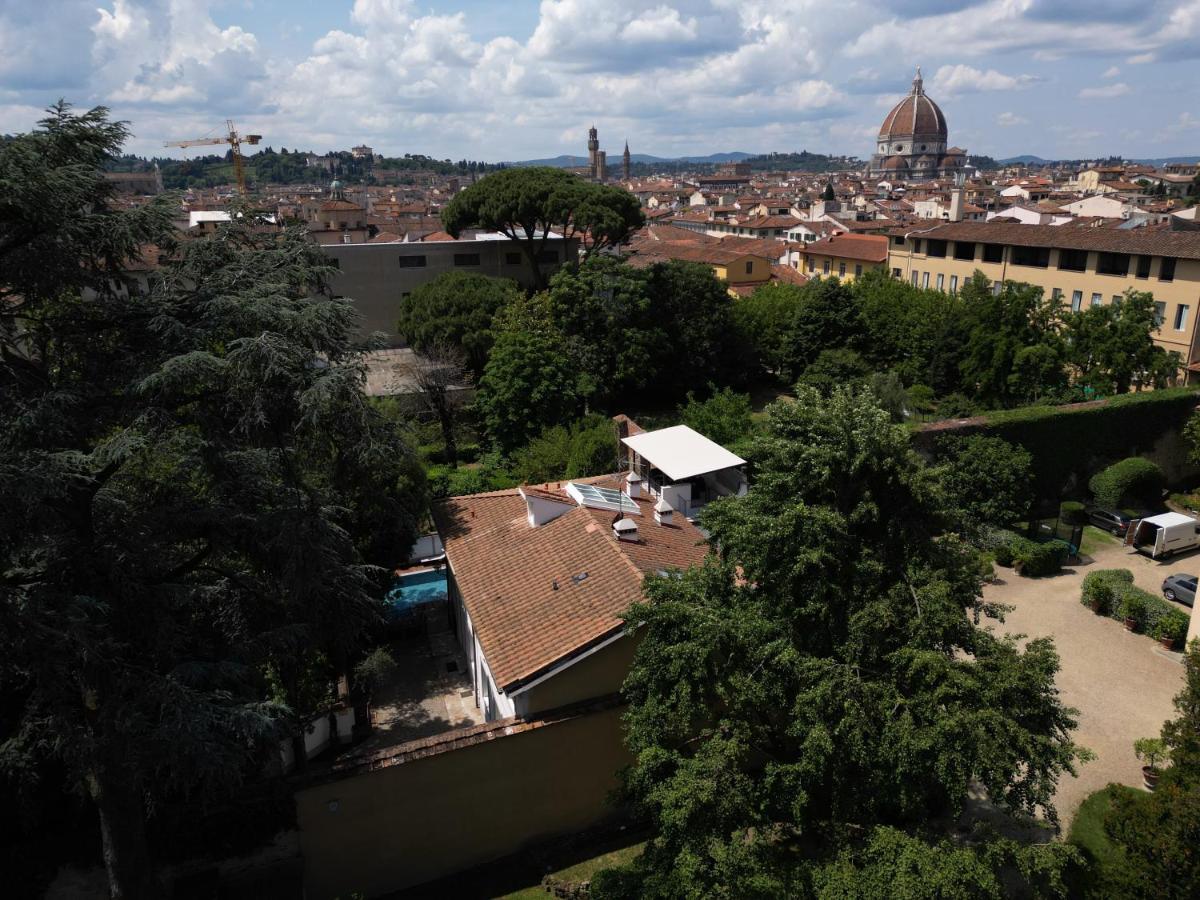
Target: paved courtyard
1122,684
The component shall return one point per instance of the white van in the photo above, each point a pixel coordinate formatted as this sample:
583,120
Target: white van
1164,535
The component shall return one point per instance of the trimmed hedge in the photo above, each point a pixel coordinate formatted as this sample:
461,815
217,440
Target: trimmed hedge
1071,442
1072,512
1120,597
1133,478
1032,559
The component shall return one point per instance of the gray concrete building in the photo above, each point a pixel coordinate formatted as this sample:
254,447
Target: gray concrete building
378,276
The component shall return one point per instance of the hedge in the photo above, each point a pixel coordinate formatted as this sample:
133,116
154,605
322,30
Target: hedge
1131,479
1033,559
1072,512
1071,442
1118,595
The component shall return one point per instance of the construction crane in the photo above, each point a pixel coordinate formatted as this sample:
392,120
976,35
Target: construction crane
234,140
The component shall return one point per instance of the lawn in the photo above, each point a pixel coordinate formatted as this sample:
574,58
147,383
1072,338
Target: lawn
1106,862
581,871
1094,539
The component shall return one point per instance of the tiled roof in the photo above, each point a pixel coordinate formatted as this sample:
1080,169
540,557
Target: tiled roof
867,247
522,586
1152,241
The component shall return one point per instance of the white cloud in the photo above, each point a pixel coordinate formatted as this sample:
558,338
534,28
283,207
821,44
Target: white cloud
1108,91
1112,72
660,25
1009,119
960,79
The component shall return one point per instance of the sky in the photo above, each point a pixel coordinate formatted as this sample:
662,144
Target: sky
491,80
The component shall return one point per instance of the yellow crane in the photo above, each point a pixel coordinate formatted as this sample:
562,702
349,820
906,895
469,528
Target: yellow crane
234,140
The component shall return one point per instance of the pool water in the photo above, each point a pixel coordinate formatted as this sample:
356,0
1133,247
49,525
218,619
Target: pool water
409,591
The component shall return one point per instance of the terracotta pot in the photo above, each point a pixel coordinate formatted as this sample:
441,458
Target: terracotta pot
1097,607
1131,624
1150,777
1168,643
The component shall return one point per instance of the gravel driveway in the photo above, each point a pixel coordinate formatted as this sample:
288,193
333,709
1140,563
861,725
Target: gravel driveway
1121,683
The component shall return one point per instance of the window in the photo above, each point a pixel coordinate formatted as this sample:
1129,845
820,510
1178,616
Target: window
897,240
1037,257
812,266
1166,270
1116,300
964,250
548,256
1072,260
954,284
993,253
1112,264
1143,267
937,248
749,267
941,280
1097,300
1056,294
1076,301
997,287
345,239
916,276
1181,314
1160,313
858,270
925,281
826,269
920,246
895,273
512,259
841,270
466,259
412,262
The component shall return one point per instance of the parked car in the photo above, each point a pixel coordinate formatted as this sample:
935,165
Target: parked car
1180,587
1112,520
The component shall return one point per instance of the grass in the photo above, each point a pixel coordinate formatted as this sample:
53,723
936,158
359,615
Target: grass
581,871
1094,539
1106,861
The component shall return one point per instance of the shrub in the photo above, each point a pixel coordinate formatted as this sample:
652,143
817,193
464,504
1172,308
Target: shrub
1107,586
1072,512
1133,606
1133,478
1001,543
1172,626
1036,560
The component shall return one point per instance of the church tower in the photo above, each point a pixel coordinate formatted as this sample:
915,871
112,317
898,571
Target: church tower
625,161
593,151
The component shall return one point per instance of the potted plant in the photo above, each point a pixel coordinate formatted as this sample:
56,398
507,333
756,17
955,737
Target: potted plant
1101,598
1151,751
1171,629
1133,610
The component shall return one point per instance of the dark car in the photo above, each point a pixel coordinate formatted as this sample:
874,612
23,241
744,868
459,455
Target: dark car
1111,520
1180,587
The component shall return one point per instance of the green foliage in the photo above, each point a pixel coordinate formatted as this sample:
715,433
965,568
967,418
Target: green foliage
1097,433
488,475
1150,750
1072,512
1130,480
1158,833
374,669
1106,586
1171,626
1111,346
587,447
763,321
1133,606
724,417
527,204
833,369
987,478
1036,560
826,319
1105,873
455,309
822,678
194,490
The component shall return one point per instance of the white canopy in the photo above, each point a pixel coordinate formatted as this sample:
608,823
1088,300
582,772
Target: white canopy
681,453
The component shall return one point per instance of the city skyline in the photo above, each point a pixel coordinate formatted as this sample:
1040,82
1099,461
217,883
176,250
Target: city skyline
465,78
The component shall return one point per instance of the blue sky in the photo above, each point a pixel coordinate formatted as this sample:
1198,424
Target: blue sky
489,80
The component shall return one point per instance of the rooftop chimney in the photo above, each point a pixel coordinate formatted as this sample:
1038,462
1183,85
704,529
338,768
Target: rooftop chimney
625,530
633,485
663,512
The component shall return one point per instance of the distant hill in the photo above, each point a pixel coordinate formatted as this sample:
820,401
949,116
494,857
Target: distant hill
566,161
1025,160
1030,160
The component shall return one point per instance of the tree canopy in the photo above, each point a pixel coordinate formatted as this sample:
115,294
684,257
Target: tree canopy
812,700
528,204
194,488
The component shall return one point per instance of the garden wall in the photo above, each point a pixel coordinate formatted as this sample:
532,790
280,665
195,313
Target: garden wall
1071,443
433,807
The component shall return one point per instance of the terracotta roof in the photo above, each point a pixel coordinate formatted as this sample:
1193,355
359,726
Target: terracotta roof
916,114
787,275
339,205
867,247
524,589
1152,241
385,237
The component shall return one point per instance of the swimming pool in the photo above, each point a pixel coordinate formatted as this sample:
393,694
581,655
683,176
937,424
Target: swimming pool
417,589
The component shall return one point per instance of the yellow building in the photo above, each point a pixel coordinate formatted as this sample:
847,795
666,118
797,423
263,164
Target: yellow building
1083,266
844,256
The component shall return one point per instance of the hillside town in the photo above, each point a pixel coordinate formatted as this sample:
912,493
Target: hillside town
789,524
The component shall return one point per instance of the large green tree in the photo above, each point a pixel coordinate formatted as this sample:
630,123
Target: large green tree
822,681
528,204
192,484
1111,347
455,309
986,478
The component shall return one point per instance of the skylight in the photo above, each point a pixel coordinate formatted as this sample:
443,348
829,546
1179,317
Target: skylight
602,498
